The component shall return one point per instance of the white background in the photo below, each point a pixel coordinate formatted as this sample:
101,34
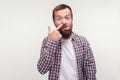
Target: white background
23,25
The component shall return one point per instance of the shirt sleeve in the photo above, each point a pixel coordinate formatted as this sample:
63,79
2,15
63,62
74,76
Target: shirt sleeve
48,50
89,63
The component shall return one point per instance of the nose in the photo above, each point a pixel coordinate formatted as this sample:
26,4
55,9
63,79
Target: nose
63,21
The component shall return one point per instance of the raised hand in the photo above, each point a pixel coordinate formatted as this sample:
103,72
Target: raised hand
54,35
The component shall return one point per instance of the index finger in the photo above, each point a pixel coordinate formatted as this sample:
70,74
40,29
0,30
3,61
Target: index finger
59,26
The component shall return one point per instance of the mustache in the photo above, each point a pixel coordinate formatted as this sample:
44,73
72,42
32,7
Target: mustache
64,24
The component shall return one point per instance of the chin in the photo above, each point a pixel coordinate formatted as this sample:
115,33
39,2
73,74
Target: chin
66,33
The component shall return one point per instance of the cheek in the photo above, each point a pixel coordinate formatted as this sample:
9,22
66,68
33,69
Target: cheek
57,23
70,24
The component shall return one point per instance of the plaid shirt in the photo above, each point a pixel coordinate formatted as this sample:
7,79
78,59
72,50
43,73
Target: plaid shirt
50,58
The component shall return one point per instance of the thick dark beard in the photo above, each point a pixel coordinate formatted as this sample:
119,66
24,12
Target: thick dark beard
66,34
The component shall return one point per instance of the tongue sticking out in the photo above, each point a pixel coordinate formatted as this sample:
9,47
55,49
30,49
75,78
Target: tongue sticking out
65,27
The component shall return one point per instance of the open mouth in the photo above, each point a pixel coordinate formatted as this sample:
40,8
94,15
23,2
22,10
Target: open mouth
65,28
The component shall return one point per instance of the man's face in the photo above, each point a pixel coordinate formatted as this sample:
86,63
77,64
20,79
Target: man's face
64,17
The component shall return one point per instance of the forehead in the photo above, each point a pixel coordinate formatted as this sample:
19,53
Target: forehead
63,12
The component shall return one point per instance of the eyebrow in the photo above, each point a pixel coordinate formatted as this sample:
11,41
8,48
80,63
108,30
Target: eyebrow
65,15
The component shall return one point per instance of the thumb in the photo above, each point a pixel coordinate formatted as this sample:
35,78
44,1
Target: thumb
49,29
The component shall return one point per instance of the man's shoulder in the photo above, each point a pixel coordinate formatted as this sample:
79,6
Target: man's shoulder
80,39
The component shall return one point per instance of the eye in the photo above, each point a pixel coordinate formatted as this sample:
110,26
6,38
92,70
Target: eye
68,17
58,18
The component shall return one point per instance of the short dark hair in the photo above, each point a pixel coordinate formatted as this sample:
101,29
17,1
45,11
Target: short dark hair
60,7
